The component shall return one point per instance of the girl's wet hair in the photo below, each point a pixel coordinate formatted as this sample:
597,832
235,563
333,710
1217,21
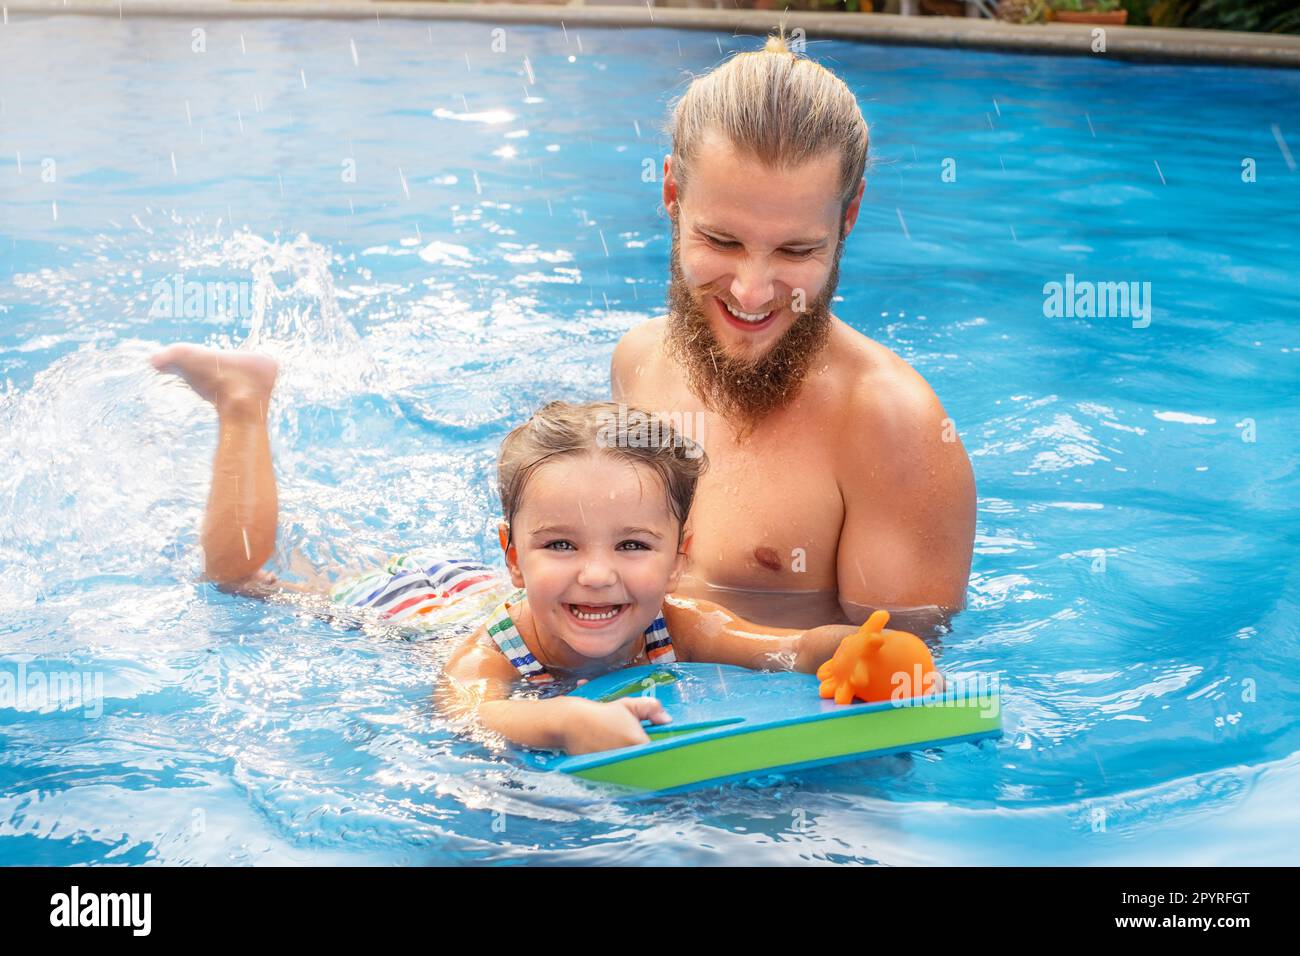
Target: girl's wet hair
560,429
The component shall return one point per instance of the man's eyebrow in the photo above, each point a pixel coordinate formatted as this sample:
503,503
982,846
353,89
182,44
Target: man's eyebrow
815,241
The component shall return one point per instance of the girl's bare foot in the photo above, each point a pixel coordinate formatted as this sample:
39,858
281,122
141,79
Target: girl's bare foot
235,382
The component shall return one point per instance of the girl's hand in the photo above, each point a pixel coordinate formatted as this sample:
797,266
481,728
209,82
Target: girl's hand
591,726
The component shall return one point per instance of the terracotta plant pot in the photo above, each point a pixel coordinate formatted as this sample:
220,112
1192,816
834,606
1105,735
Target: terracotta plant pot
1114,18
944,8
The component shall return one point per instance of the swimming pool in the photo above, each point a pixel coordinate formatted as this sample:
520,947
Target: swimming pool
435,238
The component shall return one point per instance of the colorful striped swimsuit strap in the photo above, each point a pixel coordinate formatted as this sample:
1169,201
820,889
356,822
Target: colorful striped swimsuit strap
502,630
658,642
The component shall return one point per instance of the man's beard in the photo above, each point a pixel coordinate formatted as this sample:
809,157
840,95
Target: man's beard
743,391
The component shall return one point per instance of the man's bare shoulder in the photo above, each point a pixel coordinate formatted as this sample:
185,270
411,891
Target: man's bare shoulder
636,354
877,381
902,422
907,483
642,340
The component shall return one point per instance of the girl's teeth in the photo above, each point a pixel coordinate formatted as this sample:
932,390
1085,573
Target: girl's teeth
602,616
746,316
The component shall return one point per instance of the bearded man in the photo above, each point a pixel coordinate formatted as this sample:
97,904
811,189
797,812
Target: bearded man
837,483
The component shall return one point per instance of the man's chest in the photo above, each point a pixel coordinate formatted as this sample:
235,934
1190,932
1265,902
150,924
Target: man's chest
768,511
767,518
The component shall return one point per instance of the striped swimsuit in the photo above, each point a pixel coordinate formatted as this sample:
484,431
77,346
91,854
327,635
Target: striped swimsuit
425,589
658,643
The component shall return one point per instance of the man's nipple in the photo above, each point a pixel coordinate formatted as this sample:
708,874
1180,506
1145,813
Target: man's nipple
767,557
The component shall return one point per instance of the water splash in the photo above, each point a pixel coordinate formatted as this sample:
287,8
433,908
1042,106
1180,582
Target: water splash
296,319
93,486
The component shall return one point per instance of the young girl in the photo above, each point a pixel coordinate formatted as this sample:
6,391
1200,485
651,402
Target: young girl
595,536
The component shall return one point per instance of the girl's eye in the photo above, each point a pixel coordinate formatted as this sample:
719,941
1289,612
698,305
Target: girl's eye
639,545
568,545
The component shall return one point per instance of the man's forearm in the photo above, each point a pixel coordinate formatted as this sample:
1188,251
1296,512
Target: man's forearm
818,645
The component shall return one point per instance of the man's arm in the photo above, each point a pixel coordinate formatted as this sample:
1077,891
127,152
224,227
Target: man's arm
909,508
710,633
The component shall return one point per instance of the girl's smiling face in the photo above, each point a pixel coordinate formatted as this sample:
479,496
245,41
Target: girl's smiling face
597,546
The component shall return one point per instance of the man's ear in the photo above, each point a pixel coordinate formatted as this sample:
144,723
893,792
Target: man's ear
679,565
670,187
511,553
851,212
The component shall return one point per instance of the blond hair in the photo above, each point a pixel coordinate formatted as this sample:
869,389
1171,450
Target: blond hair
558,429
776,105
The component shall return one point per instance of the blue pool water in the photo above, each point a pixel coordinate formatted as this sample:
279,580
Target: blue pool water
1135,584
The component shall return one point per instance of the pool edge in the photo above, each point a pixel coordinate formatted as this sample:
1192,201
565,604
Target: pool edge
1143,44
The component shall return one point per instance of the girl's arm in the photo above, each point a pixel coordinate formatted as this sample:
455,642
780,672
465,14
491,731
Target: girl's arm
708,632
475,685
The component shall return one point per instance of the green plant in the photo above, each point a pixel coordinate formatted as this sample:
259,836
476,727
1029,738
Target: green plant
1265,16
1089,6
1022,11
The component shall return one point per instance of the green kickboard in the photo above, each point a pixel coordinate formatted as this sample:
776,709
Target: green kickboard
731,723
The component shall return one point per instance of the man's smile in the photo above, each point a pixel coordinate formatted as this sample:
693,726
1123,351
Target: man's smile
745,321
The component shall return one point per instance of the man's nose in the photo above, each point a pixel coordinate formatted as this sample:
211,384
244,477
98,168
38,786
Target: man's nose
752,287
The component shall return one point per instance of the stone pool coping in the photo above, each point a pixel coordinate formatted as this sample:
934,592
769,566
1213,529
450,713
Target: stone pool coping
1127,43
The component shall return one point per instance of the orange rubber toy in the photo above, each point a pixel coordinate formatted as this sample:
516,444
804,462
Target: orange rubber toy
877,665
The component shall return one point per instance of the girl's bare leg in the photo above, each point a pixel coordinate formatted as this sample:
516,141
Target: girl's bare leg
243,506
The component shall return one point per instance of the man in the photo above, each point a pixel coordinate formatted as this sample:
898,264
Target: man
837,483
